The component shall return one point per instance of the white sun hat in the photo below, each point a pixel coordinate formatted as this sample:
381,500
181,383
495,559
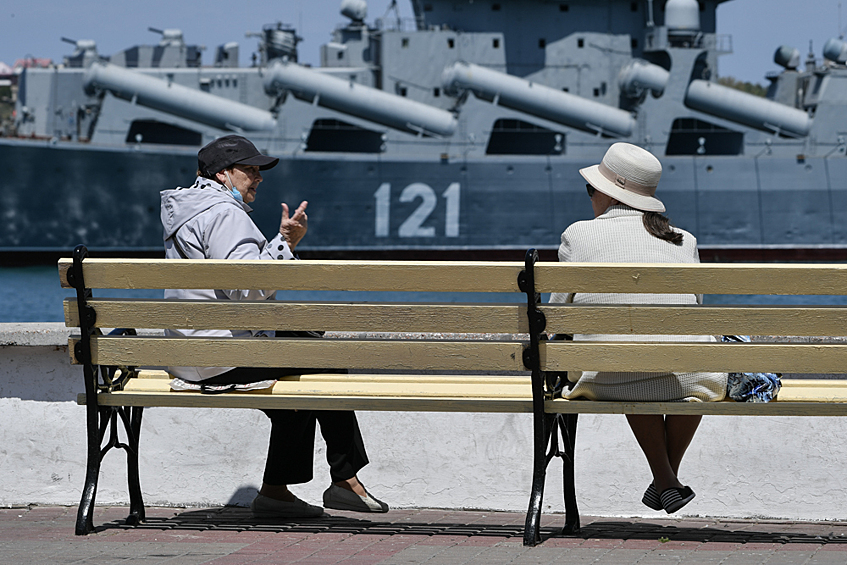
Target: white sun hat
630,175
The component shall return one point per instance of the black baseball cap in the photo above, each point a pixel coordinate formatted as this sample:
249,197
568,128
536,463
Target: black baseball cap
231,150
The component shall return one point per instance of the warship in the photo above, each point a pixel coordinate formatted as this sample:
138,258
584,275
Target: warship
456,133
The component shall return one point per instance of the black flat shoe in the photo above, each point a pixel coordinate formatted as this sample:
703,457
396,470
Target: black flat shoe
338,498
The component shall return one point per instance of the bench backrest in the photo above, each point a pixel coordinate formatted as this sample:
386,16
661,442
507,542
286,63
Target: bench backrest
800,356
454,352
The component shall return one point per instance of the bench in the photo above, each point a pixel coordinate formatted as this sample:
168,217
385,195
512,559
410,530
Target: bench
465,371
474,364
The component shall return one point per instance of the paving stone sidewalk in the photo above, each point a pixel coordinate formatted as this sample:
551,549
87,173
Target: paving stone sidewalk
227,536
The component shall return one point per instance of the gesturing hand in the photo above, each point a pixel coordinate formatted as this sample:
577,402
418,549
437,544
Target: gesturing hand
294,228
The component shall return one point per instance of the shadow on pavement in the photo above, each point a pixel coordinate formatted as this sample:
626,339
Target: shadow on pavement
414,522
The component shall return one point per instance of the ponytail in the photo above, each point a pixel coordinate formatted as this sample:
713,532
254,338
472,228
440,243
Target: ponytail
659,226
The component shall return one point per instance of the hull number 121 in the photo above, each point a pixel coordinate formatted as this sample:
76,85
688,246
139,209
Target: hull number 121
413,226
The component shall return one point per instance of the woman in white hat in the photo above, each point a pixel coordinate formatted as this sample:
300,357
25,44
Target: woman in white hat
628,227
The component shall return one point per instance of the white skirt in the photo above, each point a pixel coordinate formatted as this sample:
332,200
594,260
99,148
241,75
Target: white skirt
647,387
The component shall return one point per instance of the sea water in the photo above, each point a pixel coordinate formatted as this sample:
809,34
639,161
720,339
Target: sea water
33,294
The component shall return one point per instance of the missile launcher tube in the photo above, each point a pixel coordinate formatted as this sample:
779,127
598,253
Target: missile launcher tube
178,100
718,100
538,100
639,75
358,100
734,105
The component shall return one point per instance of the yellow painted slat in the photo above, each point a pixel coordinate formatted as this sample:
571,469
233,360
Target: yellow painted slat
814,383
470,404
401,390
64,266
411,389
405,379
153,374
813,394
791,388
695,320
426,276
398,355
727,408
456,276
473,318
282,315
710,278
684,357
523,379
71,313
267,401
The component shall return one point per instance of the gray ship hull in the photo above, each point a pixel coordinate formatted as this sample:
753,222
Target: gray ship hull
109,200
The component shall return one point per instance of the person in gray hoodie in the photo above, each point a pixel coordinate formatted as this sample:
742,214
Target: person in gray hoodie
209,220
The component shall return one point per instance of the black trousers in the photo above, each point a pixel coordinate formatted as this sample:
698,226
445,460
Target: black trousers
292,443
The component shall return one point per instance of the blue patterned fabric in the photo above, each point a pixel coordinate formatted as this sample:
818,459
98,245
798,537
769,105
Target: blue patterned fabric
750,387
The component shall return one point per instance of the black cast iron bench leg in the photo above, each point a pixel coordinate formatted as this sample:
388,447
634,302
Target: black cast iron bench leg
132,423
96,418
532,528
546,450
106,420
567,424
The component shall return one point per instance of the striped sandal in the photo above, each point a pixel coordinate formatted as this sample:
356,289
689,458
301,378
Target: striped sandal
675,498
651,498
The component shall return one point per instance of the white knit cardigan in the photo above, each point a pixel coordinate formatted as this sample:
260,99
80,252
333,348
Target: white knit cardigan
619,236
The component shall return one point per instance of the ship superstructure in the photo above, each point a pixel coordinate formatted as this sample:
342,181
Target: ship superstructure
461,130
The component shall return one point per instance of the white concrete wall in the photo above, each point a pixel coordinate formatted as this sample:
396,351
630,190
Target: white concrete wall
739,466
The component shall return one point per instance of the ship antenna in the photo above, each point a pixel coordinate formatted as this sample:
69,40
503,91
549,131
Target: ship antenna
810,58
393,6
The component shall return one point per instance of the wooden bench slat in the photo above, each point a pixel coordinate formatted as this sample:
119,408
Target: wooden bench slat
469,276
728,408
310,402
466,318
691,278
793,390
153,374
504,393
524,379
838,384
813,390
424,276
259,399
695,320
337,385
397,355
335,316
444,404
407,379
685,357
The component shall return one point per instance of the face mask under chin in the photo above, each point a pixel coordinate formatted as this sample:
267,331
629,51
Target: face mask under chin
232,189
